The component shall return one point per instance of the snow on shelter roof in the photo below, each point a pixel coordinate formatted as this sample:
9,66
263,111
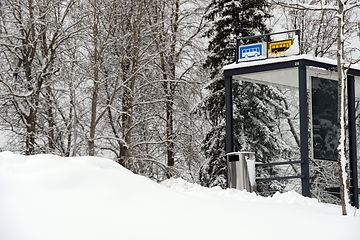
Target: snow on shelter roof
280,60
283,71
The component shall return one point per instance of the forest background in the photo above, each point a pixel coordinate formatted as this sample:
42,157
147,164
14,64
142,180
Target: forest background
139,82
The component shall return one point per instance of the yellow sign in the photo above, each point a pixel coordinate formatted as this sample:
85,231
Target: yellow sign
277,47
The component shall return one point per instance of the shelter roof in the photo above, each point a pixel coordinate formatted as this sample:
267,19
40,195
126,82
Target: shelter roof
286,62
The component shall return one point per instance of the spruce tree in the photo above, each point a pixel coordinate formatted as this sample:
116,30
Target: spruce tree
256,107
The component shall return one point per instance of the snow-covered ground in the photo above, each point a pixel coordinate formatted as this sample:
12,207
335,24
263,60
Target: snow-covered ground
84,198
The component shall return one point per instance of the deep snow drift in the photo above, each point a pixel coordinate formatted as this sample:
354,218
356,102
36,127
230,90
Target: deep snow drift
49,197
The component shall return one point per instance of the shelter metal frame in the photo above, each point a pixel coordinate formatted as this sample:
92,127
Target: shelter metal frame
301,63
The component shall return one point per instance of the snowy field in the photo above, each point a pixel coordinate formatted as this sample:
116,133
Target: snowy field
84,198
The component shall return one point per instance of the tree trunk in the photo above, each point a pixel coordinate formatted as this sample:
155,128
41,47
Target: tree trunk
126,119
50,119
170,132
342,159
30,133
91,141
94,97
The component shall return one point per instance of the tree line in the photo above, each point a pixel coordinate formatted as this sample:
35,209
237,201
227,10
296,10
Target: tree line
114,78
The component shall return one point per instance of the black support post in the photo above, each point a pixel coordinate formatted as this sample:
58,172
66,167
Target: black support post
237,53
229,121
354,191
304,148
229,114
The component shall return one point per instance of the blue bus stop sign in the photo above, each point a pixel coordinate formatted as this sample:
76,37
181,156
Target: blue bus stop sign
251,51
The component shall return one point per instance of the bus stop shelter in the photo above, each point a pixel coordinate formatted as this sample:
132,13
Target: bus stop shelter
299,72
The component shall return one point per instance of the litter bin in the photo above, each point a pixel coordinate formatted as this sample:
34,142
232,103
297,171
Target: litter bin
241,170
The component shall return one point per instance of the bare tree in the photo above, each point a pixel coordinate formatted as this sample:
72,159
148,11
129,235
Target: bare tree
110,77
31,36
178,25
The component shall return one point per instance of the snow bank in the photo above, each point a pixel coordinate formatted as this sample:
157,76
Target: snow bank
50,197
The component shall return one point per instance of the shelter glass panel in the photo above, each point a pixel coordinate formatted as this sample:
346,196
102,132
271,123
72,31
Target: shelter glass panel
324,118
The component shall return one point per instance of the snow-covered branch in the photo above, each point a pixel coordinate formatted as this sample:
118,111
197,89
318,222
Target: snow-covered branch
311,5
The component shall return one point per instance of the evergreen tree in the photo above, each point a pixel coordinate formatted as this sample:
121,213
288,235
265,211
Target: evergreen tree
255,106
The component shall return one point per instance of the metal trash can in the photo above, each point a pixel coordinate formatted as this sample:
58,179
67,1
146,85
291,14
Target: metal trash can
241,170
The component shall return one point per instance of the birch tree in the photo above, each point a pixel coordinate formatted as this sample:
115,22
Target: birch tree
318,38
342,9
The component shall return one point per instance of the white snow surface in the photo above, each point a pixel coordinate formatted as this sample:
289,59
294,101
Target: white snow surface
51,197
